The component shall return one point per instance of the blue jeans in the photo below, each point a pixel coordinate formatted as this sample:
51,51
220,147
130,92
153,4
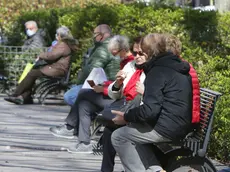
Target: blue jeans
71,95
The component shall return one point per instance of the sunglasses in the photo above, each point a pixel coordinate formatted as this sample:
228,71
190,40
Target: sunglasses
140,53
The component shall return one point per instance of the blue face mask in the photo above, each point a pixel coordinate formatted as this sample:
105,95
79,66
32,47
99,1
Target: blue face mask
30,32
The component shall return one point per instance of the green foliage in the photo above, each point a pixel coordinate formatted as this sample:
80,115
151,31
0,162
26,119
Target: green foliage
205,37
215,74
13,61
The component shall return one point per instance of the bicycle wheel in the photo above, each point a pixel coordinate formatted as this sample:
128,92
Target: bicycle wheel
193,164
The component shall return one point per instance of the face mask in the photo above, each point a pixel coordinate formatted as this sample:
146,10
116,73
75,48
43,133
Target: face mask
95,41
56,36
95,36
30,32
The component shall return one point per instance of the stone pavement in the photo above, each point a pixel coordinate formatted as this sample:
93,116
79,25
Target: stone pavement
26,145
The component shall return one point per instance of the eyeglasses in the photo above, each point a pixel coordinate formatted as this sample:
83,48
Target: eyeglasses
96,34
140,53
116,52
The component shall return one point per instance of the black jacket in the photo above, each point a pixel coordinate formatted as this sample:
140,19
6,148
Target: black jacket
167,100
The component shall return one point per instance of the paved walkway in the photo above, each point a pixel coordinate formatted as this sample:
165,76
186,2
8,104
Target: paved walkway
26,145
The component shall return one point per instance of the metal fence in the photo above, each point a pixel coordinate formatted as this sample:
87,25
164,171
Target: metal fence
13,60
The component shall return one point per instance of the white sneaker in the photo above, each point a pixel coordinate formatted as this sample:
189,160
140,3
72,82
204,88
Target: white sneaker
81,148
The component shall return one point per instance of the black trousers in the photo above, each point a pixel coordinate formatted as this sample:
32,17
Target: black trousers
24,89
109,152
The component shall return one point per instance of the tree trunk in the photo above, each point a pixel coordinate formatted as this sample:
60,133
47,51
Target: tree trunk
222,5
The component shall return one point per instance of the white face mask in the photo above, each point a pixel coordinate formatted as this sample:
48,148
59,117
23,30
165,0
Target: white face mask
30,32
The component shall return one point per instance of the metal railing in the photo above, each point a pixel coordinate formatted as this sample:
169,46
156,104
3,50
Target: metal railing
13,60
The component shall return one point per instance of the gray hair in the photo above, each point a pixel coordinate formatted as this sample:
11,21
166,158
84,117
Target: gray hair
119,42
31,22
64,32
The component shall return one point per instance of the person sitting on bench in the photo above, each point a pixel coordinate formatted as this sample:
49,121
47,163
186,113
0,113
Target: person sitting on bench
58,61
166,112
127,90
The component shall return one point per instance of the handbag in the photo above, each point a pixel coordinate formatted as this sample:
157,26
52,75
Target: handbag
121,105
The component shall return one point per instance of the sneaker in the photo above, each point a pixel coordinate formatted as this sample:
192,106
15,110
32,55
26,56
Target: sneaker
62,131
81,148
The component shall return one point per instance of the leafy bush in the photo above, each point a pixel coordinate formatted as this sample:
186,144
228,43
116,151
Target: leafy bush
205,37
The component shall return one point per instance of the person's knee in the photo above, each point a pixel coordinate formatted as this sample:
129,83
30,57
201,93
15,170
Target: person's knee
115,138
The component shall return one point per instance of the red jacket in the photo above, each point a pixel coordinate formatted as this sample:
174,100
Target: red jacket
196,95
122,64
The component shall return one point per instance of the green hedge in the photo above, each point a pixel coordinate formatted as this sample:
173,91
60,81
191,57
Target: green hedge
205,37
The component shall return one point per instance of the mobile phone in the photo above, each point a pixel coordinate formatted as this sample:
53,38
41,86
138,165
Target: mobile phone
91,83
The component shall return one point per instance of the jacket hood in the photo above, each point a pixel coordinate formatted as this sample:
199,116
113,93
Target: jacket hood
168,60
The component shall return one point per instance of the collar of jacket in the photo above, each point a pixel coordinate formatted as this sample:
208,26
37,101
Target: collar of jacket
106,41
149,64
169,60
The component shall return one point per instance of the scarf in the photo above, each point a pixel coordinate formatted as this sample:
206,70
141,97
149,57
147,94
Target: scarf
130,89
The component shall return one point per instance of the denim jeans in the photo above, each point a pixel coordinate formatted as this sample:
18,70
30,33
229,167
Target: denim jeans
71,95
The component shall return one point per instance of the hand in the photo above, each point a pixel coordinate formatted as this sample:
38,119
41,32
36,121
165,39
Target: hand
140,88
120,76
119,119
98,89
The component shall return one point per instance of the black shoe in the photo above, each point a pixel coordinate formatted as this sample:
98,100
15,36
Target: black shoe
17,100
9,99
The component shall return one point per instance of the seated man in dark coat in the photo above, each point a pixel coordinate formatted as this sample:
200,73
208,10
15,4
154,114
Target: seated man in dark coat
35,36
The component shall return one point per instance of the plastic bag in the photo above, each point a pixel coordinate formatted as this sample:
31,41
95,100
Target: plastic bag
27,69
